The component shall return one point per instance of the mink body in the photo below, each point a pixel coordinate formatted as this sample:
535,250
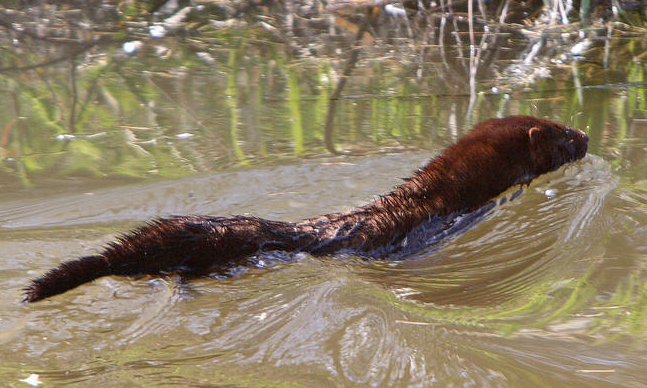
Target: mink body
495,155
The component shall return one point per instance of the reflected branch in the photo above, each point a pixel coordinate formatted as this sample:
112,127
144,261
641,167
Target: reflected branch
332,105
72,121
63,58
93,89
29,34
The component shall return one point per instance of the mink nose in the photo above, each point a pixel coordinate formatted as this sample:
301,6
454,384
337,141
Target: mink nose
576,133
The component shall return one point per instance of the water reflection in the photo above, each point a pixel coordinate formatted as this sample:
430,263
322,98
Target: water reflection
162,111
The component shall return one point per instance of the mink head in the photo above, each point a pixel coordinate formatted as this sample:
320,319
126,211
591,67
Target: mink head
539,145
553,144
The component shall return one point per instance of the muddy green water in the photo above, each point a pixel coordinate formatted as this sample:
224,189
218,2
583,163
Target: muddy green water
549,291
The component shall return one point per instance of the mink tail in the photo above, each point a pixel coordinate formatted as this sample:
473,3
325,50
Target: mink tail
180,244
66,276
186,245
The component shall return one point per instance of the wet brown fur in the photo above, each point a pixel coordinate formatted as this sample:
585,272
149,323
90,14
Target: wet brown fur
495,155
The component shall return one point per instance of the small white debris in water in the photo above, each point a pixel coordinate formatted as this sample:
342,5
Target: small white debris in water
175,20
161,51
223,24
268,27
394,11
414,322
495,90
100,134
65,136
151,141
205,57
184,135
132,46
581,47
157,31
33,380
261,317
550,193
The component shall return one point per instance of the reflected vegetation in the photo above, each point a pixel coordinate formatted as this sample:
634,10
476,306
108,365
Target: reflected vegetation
118,100
117,113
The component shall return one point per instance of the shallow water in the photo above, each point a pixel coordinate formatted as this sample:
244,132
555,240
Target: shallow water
548,290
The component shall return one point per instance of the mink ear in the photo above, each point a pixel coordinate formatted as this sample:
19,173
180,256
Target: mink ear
533,135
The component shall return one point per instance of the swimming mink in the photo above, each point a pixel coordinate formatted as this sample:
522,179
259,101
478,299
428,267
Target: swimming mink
495,155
